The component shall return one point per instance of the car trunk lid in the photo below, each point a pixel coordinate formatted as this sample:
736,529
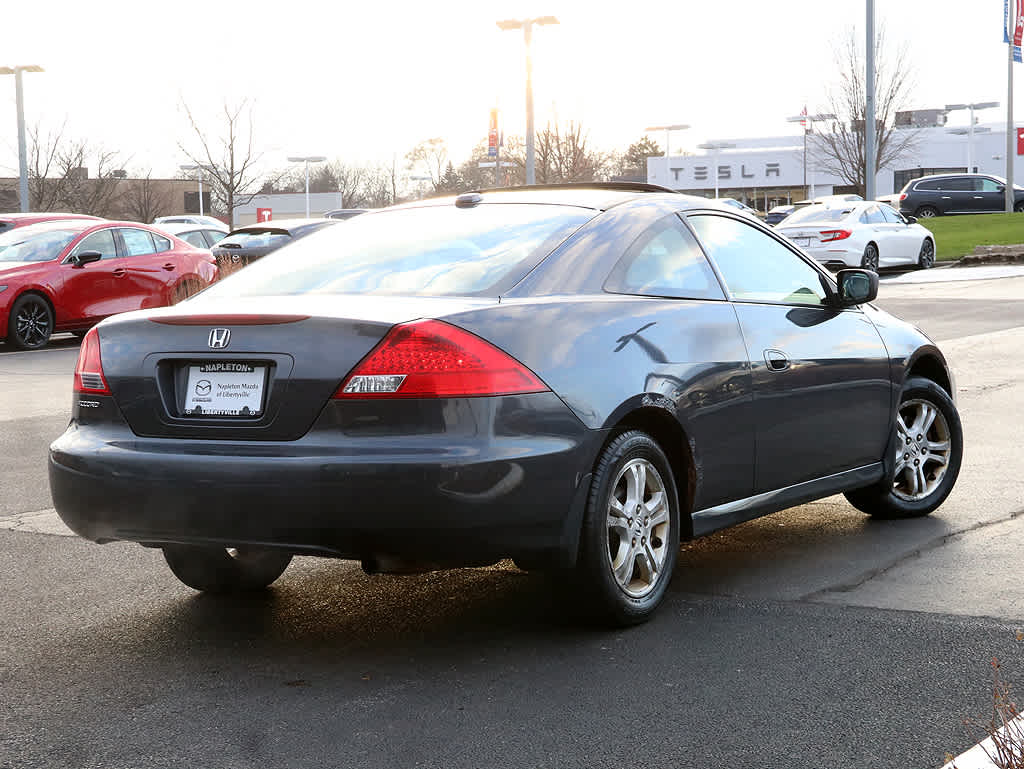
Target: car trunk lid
235,370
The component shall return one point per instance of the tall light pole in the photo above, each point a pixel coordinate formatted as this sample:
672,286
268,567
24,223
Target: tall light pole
307,159
22,153
970,127
808,123
870,158
716,146
668,129
198,168
527,26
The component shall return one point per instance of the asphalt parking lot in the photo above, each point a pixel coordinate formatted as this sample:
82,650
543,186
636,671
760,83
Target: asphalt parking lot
811,638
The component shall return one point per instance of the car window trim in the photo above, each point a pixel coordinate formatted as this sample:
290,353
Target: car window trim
823,274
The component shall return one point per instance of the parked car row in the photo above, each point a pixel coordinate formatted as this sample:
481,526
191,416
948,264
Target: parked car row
63,272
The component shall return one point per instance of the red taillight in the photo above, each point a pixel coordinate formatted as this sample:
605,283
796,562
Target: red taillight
89,369
432,359
827,236
903,196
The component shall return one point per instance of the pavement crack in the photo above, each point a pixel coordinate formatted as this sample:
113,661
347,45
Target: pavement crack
933,544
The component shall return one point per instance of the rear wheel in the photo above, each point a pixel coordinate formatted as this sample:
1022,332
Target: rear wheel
31,322
870,259
225,570
927,444
926,212
1019,207
927,256
630,538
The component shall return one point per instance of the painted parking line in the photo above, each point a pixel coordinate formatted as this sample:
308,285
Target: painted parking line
978,757
36,522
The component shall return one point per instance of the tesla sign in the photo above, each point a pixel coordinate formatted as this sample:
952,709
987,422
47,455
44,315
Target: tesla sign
264,214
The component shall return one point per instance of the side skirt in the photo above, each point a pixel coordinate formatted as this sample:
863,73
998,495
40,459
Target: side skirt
731,513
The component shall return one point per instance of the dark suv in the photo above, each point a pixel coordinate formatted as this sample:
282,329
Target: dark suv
956,194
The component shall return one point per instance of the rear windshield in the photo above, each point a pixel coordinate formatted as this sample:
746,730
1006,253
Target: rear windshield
430,251
813,214
256,239
29,244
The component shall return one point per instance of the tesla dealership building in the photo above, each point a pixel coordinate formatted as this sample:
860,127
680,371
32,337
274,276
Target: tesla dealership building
770,171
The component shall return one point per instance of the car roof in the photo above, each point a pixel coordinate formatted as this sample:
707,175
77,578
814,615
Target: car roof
596,195
175,228
44,216
285,225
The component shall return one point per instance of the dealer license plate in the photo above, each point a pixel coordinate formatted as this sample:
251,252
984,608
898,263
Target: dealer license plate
225,388
802,241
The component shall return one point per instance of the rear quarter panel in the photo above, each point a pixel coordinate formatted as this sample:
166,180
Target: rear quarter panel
606,356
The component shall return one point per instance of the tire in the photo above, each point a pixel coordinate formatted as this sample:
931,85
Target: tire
30,325
870,259
632,470
220,570
926,259
921,480
1018,207
926,212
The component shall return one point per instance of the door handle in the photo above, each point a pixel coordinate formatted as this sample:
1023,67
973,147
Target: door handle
776,360
979,197
169,266
120,272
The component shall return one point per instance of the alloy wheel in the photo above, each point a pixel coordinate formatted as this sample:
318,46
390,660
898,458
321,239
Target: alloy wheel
927,257
870,260
638,528
924,450
32,323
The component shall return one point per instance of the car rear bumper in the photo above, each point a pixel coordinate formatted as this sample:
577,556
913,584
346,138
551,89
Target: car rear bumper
835,257
471,490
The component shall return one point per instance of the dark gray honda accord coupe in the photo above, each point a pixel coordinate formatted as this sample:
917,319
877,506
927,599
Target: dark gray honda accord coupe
573,377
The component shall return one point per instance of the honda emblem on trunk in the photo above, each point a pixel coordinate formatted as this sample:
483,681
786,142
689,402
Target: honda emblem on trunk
219,338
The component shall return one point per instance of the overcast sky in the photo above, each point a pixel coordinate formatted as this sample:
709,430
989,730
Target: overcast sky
366,80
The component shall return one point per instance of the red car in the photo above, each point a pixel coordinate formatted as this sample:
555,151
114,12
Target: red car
10,221
67,275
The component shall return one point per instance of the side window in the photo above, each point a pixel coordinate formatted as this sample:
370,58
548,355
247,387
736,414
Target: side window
137,242
162,243
875,216
756,267
102,241
986,185
665,261
959,184
890,216
934,184
193,238
214,236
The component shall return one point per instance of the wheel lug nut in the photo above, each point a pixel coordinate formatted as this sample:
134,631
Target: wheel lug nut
629,521
908,441
634,541
917,462
643,540
920,437
906,456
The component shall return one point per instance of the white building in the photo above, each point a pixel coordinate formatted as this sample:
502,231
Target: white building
768,171
287,205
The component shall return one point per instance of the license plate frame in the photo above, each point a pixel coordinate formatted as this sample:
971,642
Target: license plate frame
225,389
803,242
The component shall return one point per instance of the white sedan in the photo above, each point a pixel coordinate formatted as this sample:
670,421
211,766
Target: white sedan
860,234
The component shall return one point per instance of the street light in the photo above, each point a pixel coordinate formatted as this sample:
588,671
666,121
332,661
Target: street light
668,129
22,155
970,126
307,159
198,168
808,122
527,26
716,146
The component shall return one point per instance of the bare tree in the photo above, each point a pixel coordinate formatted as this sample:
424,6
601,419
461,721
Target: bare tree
143,199
431,154
44,191
512,151
562,155
228,160
80,192
841,152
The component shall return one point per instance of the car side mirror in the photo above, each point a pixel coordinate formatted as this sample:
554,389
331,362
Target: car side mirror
83,258
911,220
856,287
